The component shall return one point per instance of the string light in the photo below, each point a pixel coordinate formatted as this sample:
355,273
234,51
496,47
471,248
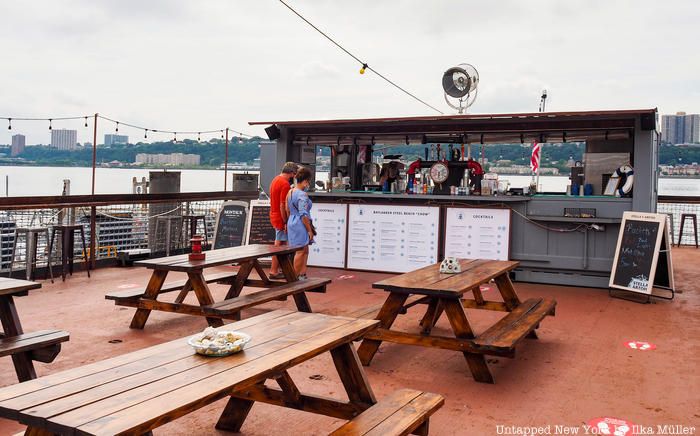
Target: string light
50,123
198,137
117,128
145,133
9,125
175,137
86,122
364,64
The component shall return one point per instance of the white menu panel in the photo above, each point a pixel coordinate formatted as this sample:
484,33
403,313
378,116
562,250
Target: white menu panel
477,233
328,248
392,238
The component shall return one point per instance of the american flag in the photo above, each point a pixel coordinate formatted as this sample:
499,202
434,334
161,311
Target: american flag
535,158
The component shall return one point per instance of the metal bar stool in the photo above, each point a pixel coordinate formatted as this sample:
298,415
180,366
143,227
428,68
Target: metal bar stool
169,221
693,218
190,223
31,243
67,232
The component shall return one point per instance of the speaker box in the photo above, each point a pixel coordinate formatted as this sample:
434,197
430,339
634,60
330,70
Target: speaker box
648,121
273,132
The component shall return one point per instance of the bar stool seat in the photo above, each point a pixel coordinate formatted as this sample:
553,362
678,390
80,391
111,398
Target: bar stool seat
67,232
692,217
31,243
189,227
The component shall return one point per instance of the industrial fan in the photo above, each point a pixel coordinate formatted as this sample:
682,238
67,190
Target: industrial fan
460,84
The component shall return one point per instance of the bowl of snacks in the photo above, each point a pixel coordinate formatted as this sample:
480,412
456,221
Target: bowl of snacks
218,343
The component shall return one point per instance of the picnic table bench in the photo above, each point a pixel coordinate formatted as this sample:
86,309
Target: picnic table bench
248,257
137,392
443,293
42,346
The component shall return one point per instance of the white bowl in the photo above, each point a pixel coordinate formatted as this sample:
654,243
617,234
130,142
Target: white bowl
219,350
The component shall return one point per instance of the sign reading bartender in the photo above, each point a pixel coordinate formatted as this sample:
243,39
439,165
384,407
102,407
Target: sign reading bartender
642,256
476,233
392,238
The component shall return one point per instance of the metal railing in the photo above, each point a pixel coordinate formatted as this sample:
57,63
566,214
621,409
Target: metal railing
676,206
118,222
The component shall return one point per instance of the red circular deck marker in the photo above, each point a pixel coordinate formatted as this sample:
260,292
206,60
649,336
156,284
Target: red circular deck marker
129,286
609,426
640,345
346,277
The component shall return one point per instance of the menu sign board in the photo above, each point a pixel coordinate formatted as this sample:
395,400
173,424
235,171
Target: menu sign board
392,238
328,249
642,256
231,224
260,230
476,233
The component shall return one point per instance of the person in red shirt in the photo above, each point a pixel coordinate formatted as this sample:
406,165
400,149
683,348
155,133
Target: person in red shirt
279,188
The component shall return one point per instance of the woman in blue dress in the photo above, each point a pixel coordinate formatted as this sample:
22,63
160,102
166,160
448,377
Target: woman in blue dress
299,229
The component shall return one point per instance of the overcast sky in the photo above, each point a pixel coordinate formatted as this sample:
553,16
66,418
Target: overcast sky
206,64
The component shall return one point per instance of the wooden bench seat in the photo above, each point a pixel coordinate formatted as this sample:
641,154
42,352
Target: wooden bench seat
372,311
234,305
136,293
506,333
403,412
44,344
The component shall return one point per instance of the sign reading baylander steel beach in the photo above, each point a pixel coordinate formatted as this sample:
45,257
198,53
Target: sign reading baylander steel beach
392,238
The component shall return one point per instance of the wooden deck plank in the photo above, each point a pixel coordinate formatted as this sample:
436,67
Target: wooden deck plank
105,365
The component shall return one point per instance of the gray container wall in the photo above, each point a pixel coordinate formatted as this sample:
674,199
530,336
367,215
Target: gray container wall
162,182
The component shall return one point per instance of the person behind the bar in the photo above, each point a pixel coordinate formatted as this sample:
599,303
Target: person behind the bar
279,188
300,230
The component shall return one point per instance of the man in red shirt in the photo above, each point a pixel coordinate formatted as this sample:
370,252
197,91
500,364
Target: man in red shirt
279,188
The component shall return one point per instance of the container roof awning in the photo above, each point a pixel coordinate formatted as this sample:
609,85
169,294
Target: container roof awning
485,128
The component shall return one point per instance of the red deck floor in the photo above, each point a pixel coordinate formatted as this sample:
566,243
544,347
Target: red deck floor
578,369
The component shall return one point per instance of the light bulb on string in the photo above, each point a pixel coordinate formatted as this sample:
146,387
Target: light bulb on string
50,120
198,136
175,137
116,129
145,133
9,125
222,134
86,122
364,67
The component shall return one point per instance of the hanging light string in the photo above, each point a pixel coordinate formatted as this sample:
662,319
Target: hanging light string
364,65
118,123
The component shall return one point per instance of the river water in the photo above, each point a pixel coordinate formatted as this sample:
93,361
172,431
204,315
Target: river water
22,181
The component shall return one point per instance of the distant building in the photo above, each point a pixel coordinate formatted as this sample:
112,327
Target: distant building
680,128
175,159
18,143
111,139
64,139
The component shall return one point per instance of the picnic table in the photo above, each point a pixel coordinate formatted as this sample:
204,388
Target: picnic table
42,346
248,257
444,293
137,392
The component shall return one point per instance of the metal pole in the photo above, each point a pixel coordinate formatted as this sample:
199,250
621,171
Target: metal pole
93,209
226,164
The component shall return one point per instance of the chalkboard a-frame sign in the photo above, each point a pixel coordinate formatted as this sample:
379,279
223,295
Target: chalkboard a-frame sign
643,255
231,225
259,228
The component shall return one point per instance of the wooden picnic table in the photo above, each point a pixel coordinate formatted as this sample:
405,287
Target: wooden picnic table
444,293
248,257
42,346
137,392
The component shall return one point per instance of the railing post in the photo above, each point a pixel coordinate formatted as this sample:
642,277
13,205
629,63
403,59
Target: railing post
93,235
